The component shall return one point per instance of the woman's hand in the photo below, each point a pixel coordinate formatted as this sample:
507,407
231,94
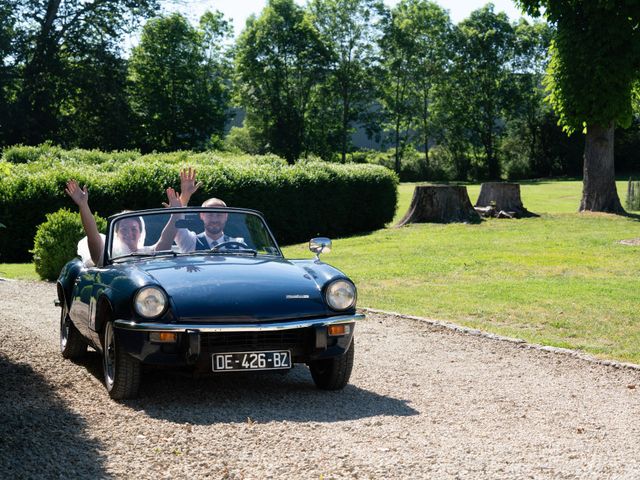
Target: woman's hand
188,185
77,194
173,198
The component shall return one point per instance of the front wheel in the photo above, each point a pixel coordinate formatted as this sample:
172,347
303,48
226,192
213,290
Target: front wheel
333,373
121,371
72,345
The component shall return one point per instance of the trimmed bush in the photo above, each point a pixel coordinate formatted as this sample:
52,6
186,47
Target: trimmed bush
299,201
56,241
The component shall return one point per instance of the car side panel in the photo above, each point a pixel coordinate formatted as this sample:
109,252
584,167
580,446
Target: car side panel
83,301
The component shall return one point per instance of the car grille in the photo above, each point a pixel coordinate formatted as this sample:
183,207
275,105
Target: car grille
299,341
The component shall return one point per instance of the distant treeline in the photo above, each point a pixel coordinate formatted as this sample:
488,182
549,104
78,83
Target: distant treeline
446,101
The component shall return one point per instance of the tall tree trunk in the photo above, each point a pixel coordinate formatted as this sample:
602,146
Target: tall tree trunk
40,77
599,192
493,167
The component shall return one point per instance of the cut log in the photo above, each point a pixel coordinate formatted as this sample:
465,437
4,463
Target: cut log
503,197
486,212
440,204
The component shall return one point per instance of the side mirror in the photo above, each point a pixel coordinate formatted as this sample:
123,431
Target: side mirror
320,245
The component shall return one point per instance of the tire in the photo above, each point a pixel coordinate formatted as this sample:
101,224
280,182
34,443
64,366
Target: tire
72,345
121,371
333,373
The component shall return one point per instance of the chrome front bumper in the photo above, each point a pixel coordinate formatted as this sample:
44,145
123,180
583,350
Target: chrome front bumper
235,327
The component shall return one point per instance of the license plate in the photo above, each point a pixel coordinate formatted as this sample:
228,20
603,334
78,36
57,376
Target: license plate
271,360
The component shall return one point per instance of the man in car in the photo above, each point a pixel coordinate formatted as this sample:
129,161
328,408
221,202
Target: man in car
214,222
213,233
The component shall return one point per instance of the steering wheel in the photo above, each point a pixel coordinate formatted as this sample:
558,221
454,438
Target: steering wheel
231,245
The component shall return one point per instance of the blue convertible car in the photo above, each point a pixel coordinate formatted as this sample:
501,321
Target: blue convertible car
221,298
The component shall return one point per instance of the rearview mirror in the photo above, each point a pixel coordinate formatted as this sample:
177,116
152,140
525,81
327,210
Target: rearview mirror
192,222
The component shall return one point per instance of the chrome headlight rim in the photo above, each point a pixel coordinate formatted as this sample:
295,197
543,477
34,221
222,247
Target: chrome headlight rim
333,284
162,295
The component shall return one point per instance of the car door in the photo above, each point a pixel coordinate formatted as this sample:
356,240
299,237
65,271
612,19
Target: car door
83,301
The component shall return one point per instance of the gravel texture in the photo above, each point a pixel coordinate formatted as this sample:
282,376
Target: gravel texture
425,401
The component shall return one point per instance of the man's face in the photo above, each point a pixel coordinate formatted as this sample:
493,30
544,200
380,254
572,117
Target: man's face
214,223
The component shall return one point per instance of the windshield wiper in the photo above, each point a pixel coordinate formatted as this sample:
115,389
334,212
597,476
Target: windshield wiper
217,251
225,251
140,254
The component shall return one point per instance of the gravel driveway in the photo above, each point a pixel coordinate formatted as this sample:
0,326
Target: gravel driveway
424,402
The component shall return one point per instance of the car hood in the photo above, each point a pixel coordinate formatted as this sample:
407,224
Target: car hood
238,288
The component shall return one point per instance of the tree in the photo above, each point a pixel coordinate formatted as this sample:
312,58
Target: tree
346,28
525,146
279,60
595,60
177,83
482,81
95,112
7,69
428,25
414,50
48,33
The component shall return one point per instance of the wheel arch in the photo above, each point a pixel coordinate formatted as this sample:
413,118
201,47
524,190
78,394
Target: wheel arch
62,296
104,313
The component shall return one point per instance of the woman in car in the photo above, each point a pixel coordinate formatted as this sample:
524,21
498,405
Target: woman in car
130,232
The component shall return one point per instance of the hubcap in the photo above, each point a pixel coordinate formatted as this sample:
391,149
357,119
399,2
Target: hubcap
109,355
64,329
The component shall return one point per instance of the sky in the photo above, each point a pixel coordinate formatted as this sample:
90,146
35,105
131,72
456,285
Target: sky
239,10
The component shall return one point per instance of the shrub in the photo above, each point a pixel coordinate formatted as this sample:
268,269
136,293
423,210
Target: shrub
50,154
56,241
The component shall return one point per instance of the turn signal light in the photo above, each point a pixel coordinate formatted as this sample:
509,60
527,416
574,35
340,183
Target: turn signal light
336,330
163,337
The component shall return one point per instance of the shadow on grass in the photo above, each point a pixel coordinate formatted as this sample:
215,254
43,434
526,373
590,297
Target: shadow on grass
39,436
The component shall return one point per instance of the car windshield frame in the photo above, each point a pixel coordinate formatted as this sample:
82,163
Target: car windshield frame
114,219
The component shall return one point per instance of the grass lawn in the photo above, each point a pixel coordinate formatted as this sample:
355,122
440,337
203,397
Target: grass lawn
18,271
561,279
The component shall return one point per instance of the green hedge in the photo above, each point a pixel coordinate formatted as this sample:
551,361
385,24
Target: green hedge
299,201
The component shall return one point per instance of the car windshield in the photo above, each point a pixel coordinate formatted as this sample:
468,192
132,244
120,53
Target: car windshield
189,231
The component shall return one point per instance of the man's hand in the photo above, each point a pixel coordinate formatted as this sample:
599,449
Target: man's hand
173,198
188,185
77,194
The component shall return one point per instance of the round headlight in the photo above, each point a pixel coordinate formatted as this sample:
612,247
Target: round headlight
341,295
150,302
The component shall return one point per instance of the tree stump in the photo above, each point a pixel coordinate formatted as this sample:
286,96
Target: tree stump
501,200
440,204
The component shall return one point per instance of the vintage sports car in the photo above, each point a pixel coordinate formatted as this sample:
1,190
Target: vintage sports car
235,306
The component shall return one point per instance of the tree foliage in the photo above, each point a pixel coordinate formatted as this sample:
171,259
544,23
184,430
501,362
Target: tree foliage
347,29
483,80
53,37
280,59
178,91
440,100
595,59
595,62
